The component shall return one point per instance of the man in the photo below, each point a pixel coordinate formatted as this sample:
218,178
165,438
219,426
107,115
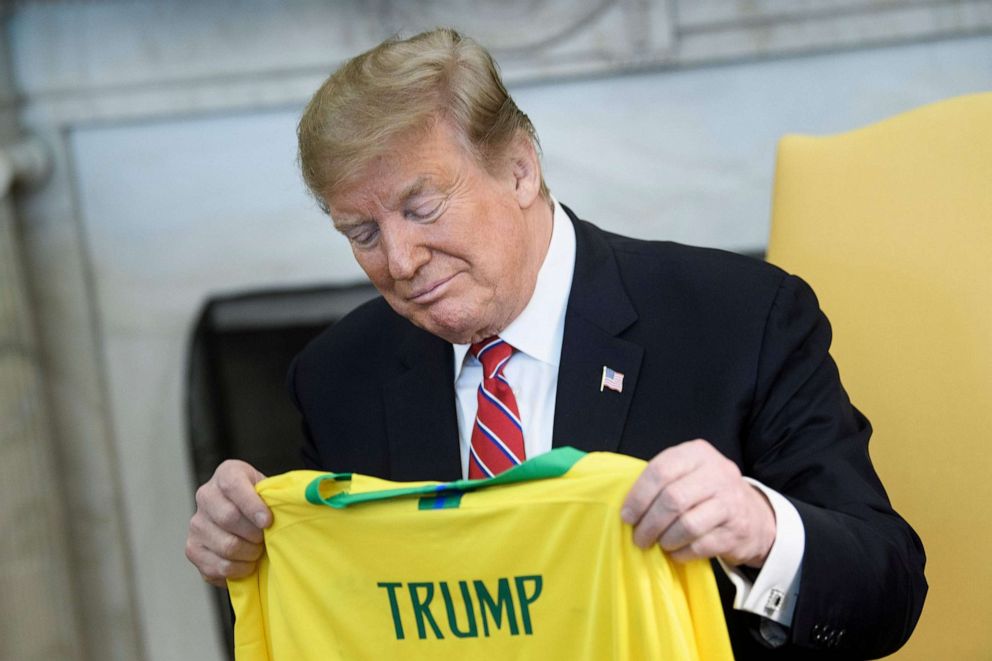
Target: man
711,366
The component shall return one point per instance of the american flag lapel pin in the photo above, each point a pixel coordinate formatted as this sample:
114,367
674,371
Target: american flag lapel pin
612,379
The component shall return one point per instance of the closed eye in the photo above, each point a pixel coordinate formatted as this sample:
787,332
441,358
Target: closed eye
425,212
364,236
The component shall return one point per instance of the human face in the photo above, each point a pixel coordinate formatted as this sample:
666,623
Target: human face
452,247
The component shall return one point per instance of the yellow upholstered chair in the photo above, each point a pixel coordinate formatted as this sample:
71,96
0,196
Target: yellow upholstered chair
892,226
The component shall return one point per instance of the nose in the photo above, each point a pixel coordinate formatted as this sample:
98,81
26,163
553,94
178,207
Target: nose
405,248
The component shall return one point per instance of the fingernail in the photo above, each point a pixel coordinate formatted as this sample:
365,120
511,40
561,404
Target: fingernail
260,519
627,515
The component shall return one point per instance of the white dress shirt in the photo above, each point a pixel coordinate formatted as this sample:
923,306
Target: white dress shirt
533,374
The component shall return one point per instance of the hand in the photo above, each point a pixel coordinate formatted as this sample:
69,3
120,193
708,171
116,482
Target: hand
225,534
694,503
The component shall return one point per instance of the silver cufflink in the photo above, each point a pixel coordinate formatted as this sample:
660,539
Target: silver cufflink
775,600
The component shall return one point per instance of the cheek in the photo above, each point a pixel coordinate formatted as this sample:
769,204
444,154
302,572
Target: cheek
504,267
375,268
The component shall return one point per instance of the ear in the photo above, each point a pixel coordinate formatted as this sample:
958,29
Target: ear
525,166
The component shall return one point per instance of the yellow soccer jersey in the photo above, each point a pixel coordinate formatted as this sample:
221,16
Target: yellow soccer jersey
532,564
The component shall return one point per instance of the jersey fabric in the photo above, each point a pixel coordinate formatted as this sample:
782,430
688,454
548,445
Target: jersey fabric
532,564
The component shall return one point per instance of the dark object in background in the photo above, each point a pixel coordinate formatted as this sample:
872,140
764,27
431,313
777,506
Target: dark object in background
237,406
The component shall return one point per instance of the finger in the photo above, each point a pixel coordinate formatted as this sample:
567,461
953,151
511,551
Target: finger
708,546
205,533
216,570
702,520
214,509
674,502
213,568
667,466
676,499
236,480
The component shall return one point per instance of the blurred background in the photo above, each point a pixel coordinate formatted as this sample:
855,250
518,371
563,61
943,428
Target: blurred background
160,261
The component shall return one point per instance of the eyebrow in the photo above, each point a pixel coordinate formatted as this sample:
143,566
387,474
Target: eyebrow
415,188
344,224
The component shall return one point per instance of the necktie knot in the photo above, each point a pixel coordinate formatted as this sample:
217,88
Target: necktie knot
493,353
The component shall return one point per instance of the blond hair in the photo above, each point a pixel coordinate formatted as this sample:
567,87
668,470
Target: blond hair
401,87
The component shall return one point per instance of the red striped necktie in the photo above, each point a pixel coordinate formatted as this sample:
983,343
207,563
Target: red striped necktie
497,436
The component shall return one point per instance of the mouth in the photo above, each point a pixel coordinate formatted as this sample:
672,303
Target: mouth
430,292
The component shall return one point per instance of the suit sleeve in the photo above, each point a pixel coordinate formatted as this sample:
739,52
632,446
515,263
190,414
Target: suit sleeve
862,586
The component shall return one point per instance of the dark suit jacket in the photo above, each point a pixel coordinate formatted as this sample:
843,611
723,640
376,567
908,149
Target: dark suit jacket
712,345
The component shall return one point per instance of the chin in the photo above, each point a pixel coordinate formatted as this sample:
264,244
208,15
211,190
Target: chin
455,326
455,335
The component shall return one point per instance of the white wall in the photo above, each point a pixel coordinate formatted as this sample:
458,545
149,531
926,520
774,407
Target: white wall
689,155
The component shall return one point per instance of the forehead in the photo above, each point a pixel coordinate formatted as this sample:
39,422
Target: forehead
425,162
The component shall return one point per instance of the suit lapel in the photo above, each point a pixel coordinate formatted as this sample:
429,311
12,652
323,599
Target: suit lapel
421,424
587,417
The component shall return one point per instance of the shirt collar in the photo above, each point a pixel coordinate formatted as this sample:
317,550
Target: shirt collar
539,329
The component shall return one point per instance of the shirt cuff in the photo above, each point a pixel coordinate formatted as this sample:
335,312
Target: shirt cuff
774,592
